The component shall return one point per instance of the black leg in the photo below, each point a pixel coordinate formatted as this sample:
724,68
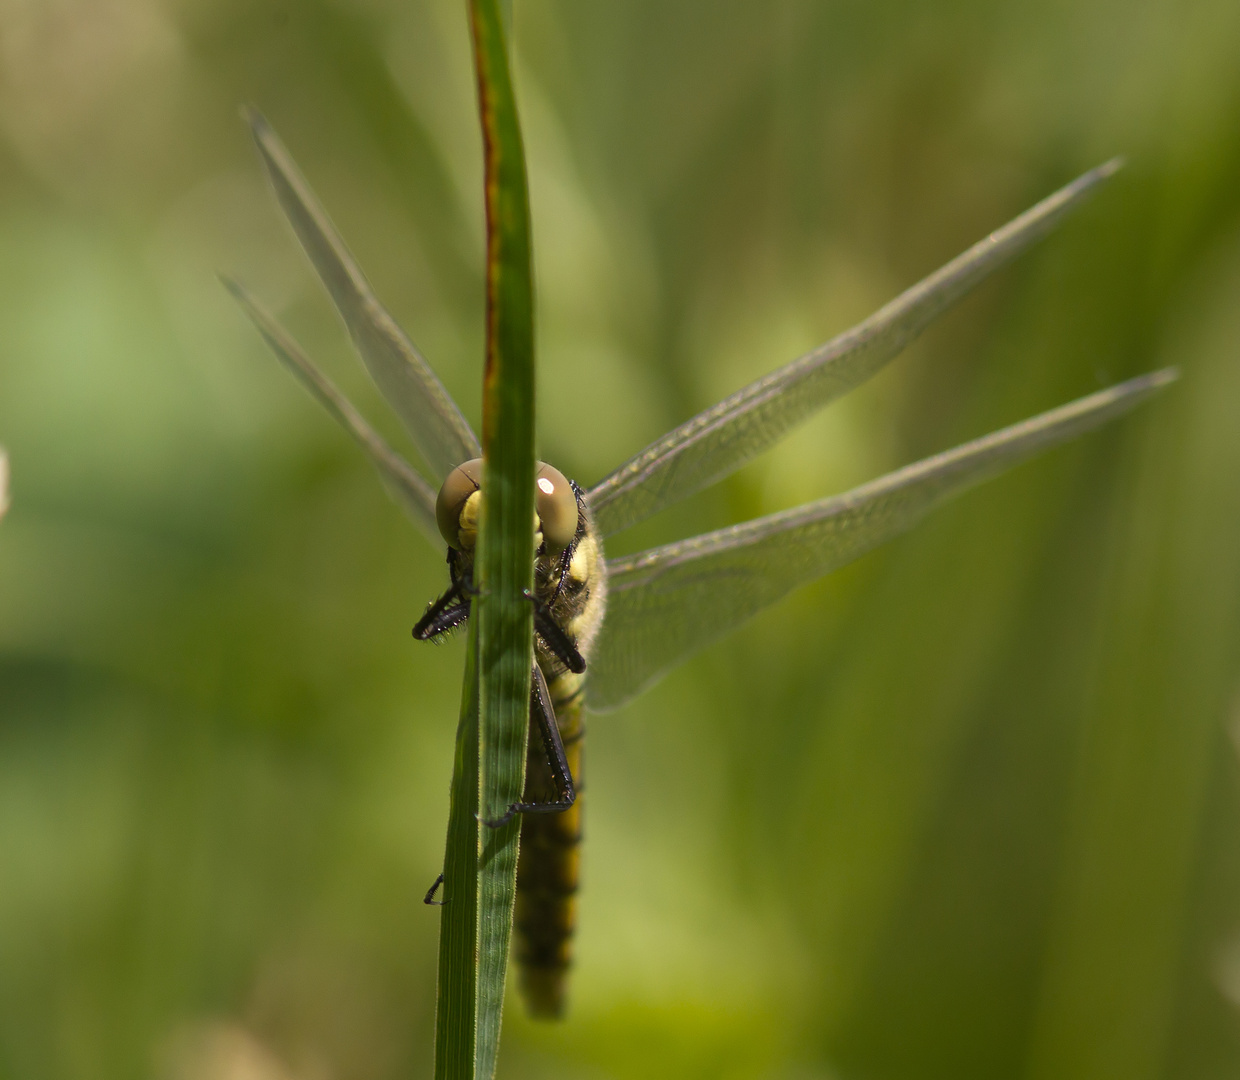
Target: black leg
565,560
429,898
449,611
557,641
543,712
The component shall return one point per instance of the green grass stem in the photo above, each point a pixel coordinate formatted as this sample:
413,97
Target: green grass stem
502,616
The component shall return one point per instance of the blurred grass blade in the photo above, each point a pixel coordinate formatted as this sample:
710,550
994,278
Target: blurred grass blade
439,431
4,482
724,437
666,603
456,996
504,563
403,482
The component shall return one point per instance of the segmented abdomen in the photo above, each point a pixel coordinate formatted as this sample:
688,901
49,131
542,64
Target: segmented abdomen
546,902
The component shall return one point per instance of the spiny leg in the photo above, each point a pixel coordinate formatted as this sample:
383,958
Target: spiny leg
557,641
565,561
449,611
542,711
429,898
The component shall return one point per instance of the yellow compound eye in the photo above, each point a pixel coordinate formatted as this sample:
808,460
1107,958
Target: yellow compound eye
461,483
557,506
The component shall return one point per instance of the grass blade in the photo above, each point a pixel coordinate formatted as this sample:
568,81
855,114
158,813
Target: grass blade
504,564
455,1012
406,486
4,482
666,603
439,431
721,439
506,539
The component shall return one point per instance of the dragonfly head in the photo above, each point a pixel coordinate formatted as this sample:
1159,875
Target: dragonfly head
460,498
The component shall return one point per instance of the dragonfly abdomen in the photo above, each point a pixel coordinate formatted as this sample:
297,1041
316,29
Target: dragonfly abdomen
547,870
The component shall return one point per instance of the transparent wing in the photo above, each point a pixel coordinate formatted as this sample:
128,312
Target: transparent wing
727,435
439,431
403,482
668,602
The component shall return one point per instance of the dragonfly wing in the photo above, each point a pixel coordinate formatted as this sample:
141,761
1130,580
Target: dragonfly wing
666,603
412,493
442,435
724,437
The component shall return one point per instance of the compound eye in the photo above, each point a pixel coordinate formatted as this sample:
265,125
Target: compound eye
460,484
557,506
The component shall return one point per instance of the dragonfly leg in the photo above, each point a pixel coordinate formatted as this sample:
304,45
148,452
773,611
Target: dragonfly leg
543,711
429,898
565,561
446,613
555,638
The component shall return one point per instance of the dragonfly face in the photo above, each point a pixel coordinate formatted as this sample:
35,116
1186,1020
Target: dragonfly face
635,618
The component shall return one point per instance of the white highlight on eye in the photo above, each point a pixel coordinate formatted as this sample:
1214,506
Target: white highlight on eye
546,486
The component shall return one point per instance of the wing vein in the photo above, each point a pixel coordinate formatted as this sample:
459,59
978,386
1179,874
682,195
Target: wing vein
668,602
725,436
438,429
406,486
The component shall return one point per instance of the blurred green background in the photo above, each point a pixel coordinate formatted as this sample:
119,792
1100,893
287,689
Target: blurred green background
967,809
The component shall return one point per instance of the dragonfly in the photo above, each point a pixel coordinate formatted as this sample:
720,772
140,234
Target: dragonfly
608,629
